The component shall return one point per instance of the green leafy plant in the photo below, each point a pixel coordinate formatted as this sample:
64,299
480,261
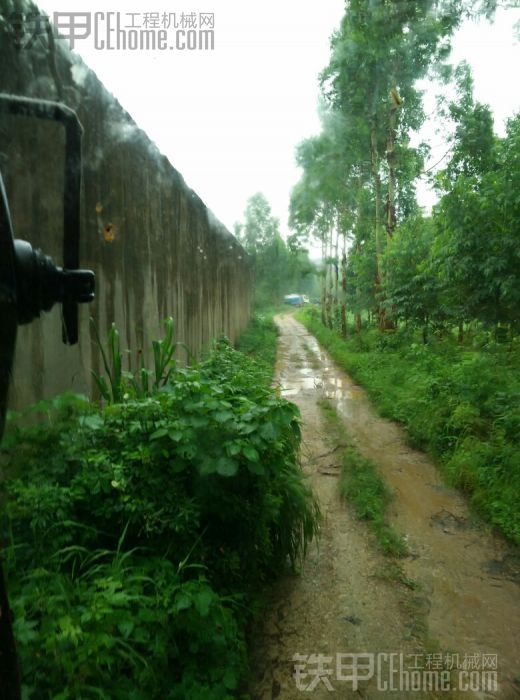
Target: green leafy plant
112,389
259,340
143,531
119,383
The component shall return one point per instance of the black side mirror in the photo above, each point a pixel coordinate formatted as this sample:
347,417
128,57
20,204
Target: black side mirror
30,283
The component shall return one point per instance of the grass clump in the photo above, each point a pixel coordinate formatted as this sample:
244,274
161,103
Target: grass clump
364,489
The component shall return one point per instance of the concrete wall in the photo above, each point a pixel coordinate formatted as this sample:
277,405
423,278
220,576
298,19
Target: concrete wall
165,254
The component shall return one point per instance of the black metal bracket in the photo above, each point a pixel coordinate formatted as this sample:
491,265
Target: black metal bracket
31,283
68,285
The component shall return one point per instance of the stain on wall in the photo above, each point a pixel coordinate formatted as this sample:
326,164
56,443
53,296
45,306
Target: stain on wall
154,246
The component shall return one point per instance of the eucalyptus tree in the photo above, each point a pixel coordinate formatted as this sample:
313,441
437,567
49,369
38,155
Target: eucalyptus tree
383,47
359,174
313,206
324,204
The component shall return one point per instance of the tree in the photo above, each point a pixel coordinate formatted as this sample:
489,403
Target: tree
382,49
321,205
412,283
260,227
478,231
473,150
359,174
278,268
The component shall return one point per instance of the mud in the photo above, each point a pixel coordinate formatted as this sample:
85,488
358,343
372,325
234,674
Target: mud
346,599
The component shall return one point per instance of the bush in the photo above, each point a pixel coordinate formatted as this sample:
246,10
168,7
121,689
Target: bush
142,532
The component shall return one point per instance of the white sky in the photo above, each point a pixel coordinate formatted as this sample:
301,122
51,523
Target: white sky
229,119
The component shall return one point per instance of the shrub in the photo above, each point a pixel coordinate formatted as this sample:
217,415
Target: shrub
143,531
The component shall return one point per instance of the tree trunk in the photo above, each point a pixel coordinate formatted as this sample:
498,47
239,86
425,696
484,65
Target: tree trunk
323,283
391,220
344,290
329,282
378,221
336,272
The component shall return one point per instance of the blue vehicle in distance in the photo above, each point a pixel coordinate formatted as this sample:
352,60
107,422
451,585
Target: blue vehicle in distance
296,299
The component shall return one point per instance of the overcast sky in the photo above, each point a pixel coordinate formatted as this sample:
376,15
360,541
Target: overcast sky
229,119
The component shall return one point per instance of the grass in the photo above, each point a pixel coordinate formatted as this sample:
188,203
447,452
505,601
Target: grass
259,339
311,357
459,403
393,571
362,486
365,490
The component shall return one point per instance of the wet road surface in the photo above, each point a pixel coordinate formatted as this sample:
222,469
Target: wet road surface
342,603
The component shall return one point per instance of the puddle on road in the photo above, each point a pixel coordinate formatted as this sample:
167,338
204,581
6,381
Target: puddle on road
296,385
474,598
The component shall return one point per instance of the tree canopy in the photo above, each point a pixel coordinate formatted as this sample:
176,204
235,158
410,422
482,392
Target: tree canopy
385,259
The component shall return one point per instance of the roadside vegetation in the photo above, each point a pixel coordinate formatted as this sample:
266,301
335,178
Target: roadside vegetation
459,402
259,340
143,530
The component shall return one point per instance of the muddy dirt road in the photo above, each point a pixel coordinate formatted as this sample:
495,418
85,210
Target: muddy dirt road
438,632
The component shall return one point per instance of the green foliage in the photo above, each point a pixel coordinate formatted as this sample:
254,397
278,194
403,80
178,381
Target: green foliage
259,341
118,383
359,174
260,227
474,142
477,248
361,272
111,389
279,268
461,403
363,487
462,264
412,286
359,177
123,625
142,532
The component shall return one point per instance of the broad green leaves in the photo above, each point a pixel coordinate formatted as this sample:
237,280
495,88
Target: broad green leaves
142,531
